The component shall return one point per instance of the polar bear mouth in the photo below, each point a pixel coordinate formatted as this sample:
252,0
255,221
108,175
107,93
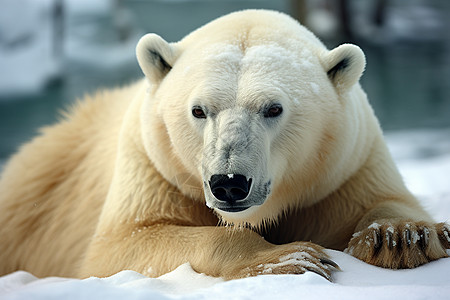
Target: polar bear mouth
233,209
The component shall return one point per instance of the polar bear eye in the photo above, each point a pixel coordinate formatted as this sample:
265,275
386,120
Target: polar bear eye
273,111
198,112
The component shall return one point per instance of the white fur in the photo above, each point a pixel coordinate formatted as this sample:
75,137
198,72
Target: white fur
233,78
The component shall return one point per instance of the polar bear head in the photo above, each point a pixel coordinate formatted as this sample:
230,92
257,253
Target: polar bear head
252,114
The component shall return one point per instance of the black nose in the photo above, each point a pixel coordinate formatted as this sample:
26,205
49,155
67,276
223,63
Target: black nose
230,188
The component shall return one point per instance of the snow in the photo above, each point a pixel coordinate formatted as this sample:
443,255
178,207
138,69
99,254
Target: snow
28,60
423,158
25,47
374,225
301,259
357,280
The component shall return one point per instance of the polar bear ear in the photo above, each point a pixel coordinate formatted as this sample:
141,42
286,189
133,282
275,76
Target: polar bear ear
344,65
155,57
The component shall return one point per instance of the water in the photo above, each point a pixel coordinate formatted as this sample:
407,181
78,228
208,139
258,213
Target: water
407,83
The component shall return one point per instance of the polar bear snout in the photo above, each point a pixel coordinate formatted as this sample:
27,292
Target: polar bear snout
231,194
230,188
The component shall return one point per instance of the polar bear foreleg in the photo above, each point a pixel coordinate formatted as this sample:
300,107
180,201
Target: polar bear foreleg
215,251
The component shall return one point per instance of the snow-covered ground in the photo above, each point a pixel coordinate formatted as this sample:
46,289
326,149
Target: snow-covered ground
424,160
37,47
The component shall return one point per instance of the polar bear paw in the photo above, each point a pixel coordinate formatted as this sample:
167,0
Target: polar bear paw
293,258
400,244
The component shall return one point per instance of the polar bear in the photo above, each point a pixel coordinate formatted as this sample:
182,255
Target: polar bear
246,149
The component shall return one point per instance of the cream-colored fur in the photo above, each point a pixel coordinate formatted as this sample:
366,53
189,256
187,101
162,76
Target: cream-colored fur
122,181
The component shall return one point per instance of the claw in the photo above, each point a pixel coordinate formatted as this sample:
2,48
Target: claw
446,234
327,261
389,239
407,236
377,239
424,236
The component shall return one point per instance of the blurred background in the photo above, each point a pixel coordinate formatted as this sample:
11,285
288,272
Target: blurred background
55,51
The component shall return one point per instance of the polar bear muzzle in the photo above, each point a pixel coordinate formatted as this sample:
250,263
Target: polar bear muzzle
235,160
